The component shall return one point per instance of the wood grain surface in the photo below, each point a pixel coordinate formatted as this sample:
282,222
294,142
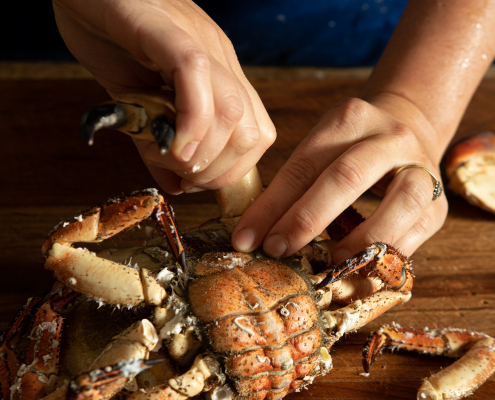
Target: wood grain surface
47,173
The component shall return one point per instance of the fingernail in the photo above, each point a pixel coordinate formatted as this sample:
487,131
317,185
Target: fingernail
244,239
275,245
194,189
188,151
340,255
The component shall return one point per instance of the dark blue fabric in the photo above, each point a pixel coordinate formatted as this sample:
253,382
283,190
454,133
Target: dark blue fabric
339,33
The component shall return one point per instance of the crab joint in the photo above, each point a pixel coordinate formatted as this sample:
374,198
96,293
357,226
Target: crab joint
135,342
103,383
193,381
148,117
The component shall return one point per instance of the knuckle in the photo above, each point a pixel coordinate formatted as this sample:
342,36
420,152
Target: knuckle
269,135
196,59
349,111
231,110
415,195
422,227
348,174
402,132
305,222
245,140
299,172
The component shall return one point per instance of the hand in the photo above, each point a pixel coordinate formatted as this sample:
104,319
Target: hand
355,146
222,128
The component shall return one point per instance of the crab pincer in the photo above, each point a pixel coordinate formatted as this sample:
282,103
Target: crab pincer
378,259
141,116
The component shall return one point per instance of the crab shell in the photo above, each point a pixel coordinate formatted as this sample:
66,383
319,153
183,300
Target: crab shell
260,317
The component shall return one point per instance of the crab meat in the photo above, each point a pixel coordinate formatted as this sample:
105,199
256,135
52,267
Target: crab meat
470,168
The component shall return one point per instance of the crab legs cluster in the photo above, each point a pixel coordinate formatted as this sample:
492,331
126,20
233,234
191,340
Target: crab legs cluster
99,278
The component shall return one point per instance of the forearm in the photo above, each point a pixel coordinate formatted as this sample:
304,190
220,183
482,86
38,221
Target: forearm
432,66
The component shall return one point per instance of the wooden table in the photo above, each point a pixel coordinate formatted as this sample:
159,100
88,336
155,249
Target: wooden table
47,173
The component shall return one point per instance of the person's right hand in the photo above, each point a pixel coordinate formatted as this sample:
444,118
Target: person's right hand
222,127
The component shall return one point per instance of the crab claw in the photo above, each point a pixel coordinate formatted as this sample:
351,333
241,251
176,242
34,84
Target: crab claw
374,346
103,383
378,259
111,116
143,116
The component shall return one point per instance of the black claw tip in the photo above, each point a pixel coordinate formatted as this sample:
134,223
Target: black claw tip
366,366
163,132
104,116
182,261
153,362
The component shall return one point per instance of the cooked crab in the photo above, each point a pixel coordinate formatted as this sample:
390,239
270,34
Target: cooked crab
237,322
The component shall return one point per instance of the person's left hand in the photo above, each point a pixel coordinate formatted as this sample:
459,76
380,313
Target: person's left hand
356,146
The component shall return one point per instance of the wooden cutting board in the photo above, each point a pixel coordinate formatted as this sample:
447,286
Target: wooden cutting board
47,173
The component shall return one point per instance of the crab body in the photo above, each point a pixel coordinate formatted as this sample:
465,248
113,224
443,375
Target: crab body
268,330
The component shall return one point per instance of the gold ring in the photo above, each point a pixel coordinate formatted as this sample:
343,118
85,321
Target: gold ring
437,187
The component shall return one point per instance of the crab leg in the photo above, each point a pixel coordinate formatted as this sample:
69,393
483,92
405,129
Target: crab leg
36,376
101,384
189,384
380,260
142,116
134,343
476,365
360,312
111,282
9,359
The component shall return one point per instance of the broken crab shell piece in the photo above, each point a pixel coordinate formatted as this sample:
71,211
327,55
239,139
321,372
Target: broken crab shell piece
100,278
462,378
470,168
142,116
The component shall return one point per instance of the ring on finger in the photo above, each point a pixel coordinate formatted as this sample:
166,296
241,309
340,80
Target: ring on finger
437,187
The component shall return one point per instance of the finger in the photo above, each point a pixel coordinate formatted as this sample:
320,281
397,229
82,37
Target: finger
425,227
187,69
232,119
295,184
244,137
168,180
407,198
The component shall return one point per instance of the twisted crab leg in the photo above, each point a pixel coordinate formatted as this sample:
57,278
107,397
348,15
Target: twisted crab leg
111,282
462,378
